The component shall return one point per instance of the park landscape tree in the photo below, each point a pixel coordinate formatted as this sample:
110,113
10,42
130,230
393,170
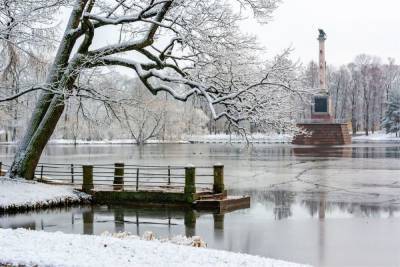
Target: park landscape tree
184,48
391,120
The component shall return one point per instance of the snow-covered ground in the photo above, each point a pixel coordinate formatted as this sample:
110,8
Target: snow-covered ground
254,138
23,194
110,142
104,142
31,248
376,137
216,138
211,138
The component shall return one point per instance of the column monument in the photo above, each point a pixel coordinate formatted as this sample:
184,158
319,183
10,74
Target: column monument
322,129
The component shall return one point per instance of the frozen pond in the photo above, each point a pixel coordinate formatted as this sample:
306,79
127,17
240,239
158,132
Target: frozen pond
337,206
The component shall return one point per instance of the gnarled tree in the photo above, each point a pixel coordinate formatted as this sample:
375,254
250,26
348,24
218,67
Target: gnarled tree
181,47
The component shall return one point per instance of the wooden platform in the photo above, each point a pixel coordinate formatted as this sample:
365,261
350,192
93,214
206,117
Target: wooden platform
228,203
204,200
323,133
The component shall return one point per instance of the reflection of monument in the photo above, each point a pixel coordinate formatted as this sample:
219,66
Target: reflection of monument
322,129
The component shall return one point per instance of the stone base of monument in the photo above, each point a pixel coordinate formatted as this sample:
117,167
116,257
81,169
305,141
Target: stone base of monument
323,133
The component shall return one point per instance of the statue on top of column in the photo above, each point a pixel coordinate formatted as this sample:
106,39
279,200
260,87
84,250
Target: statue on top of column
322,34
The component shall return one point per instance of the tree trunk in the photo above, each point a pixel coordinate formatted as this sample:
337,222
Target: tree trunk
366,120
38,113
25,164
49,107
354,126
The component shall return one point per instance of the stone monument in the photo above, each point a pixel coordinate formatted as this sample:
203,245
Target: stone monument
323,128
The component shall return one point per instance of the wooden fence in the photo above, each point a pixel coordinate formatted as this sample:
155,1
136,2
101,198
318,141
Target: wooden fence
120,176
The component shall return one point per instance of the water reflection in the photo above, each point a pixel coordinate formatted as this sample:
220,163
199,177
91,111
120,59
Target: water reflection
334,206
258,230
121,218
280,203
88,220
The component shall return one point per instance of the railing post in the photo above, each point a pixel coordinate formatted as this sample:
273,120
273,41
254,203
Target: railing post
137,179
87,184
41,172
118,176
190,182
218,186
72,173
169,175
1,171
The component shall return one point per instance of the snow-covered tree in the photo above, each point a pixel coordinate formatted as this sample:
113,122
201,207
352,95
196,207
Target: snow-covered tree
185,48
27,32
391,120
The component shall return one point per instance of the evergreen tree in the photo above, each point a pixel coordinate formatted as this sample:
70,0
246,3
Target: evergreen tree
391,120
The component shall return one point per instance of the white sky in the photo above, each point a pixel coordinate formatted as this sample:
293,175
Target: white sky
352,26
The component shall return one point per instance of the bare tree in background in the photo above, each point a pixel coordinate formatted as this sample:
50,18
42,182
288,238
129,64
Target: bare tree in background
360,90
26,31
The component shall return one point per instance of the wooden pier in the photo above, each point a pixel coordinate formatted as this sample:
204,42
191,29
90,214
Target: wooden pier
200,187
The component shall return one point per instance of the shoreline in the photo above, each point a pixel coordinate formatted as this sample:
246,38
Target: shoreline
378,137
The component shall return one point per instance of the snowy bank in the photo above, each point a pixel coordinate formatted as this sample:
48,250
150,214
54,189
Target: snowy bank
103,142
23,194
111,142
20,247
270,138
254,138
376,137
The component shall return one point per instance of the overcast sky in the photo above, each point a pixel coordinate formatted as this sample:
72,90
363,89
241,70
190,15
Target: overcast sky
352,27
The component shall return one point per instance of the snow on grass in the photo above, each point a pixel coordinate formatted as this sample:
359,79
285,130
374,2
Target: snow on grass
377,137
253,138
194,241
25,247
110,142
211,138
104,142
23,194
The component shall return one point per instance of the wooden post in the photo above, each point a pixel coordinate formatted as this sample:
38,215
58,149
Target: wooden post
190,181
218,186
41,172
137,179
118,176
72,173
87,184
1,171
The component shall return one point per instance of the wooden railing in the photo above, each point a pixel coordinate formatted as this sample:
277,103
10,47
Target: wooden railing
119,176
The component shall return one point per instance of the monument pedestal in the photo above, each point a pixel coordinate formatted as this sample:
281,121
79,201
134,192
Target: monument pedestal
322,130
323,133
